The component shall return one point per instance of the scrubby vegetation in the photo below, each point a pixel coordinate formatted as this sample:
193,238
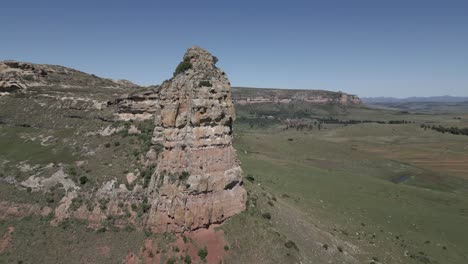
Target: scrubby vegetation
202,253
83,180
184,176
183,66
451,130
204,84
146,174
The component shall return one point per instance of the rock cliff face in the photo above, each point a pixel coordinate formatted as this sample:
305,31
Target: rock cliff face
246,96
198,180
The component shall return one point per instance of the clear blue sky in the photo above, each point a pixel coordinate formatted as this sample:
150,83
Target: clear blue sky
370,48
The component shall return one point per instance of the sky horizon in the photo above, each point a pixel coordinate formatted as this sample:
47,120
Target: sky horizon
368,48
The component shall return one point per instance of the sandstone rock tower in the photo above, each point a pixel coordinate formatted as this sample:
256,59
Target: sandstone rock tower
198,180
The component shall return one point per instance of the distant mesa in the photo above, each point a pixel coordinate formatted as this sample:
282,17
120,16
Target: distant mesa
247,96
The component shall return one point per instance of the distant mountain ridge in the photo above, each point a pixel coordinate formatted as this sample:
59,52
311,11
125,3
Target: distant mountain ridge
439,99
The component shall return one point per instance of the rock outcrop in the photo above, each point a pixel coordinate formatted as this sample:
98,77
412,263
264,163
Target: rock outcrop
139,105
198,180
15,75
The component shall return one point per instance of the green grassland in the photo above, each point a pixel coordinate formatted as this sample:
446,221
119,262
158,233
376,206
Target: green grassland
341,178
345,193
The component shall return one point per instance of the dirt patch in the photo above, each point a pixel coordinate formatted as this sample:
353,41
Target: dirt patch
6,240
185,245
212,240
11,209
132,259
105,251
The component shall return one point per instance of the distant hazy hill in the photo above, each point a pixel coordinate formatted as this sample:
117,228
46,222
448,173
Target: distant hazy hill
439,99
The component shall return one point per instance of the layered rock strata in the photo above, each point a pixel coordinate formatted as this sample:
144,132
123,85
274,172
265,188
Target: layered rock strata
198,180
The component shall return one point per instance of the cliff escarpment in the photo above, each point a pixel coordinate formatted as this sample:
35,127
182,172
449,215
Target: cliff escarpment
249,96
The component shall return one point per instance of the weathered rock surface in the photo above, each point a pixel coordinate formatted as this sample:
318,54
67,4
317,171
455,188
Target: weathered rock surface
139,105
198,180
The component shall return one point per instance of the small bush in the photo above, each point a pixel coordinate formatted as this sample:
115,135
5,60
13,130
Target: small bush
266,216
158,147
250,178
202,253
76,203
72,171
205,84
291,244
129,228
83,180
226,247
116,143
107,145
183,176
145,207
340,249
172,260
147,175
187,259
183,66
103,204
136,152
325,246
